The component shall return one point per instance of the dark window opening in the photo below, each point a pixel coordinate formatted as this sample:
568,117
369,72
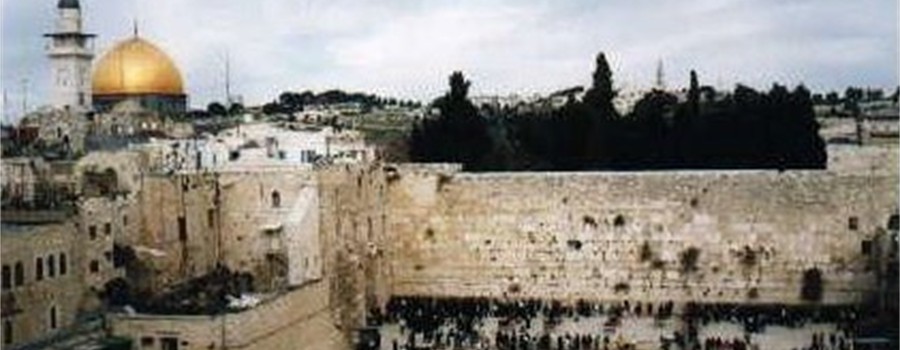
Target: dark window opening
7,277
92,232
276,199
39,269
7,332
124,220
95,266
853,223
182,229
867,247
894,222
63,264
20,274
147,341
53,317
107,228
51,266
619,221
168,343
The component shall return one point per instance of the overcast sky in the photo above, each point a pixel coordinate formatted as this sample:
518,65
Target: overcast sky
407,48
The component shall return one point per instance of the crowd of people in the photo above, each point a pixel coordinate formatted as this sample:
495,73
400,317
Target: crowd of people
481,323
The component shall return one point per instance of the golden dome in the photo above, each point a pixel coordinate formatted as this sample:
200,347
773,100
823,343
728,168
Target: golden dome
135,66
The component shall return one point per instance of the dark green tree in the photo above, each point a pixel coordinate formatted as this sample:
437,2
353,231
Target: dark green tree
832,98
216,109
236,109
591,124
459,134
694,95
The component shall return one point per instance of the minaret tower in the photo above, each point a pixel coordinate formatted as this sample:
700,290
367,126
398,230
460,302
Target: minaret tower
70,52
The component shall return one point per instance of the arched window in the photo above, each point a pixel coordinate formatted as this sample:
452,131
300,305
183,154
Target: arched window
276,199
20,273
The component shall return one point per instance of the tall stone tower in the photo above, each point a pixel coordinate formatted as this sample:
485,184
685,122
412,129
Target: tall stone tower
70,52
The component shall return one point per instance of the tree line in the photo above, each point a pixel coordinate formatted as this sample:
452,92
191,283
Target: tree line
289,102
773,129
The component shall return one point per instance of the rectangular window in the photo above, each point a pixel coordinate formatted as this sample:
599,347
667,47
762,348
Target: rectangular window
92,232
53,317
51,266
95,266
168,343
7,277
107,228
867,247
63,264
19,274
7,332
147,342
39,269
182,229
124,220
853,223
108,255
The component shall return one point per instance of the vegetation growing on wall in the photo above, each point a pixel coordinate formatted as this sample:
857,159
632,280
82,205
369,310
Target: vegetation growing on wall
689,258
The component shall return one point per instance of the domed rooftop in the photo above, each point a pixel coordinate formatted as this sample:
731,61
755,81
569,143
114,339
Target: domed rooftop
136,67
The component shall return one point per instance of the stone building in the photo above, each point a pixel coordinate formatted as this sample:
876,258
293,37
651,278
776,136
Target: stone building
54,265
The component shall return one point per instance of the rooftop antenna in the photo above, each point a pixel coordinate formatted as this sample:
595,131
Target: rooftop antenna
134,24
24,96
6,117
660,76
227,79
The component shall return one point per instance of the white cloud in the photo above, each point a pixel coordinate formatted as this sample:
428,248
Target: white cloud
407,48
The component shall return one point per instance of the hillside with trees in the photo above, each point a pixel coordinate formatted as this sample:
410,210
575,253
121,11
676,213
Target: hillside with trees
743,129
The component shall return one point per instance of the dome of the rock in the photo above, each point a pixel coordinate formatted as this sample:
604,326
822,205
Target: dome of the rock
137,69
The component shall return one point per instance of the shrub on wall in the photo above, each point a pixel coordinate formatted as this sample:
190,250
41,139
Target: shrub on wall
748,257
646,252
689,258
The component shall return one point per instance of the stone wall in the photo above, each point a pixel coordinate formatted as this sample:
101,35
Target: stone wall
873,159
352,223
626,236
299,318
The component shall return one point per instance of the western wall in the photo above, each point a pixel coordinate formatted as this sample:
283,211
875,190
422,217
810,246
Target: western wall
612,236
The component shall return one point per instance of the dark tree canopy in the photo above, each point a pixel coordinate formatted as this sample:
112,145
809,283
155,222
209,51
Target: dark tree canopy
216,108
744,129
459,134
289,102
